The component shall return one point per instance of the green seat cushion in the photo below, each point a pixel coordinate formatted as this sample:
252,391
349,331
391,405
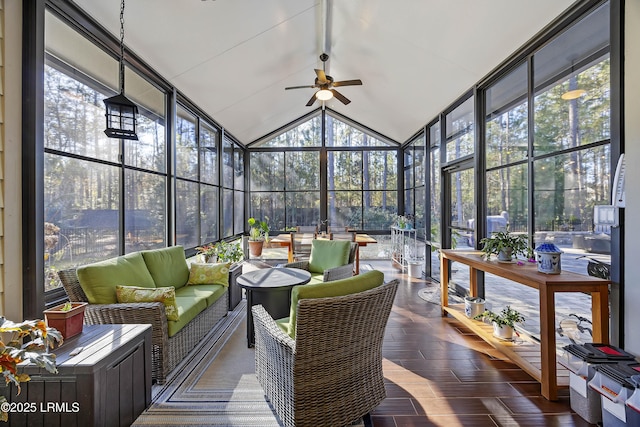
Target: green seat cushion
362,282
326,254
211,293
167,266
166,296
209,274
188,309
99,280
316,278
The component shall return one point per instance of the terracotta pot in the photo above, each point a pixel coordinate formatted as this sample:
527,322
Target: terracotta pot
68,323
255,247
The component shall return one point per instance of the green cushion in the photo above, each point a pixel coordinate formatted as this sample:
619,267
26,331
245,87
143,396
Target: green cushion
99,280
362,282
188,309
209,274
326,254
167,266
166,295
211,293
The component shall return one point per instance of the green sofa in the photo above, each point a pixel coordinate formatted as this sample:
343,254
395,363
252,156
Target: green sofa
194,309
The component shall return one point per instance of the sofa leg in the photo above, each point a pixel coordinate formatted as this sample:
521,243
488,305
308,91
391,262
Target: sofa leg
366,418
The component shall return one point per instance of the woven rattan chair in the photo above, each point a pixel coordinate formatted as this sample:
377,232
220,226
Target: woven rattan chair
336,273
331,374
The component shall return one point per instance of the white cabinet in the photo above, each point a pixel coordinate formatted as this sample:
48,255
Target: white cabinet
404,246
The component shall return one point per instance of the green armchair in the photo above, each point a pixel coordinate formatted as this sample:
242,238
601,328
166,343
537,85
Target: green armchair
329,260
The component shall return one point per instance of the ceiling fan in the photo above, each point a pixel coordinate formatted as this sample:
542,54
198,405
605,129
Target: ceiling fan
325,85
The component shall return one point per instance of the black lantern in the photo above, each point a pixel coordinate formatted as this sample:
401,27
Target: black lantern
121,113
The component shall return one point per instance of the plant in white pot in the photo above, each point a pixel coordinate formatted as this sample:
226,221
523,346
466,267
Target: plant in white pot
230,252
506,245
503,322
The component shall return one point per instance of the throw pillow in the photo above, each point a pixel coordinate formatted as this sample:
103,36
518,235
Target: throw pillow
209,274
166,295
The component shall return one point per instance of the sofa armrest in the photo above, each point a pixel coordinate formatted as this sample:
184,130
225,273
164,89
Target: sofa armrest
337,273
131,313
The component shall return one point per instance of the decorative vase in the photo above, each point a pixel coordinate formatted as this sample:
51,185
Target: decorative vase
548,258
68,323
502,332
255,247
473,306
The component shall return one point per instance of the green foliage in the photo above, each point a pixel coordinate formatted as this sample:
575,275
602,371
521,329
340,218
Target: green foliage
502,240
259,230
507,317
229,252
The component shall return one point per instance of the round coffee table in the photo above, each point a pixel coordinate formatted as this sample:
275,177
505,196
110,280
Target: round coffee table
270,287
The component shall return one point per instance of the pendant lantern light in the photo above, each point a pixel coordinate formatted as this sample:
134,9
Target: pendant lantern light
120,111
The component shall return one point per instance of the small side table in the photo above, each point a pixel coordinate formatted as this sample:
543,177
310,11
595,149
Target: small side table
270,287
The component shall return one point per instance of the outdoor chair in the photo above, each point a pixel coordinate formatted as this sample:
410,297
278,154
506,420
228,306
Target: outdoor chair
328,260
331,373
344,235
301,245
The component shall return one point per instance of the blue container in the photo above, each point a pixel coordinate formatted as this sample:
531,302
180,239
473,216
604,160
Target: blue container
548,258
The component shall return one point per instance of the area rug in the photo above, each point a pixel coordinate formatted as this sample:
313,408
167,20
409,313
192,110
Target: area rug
217,386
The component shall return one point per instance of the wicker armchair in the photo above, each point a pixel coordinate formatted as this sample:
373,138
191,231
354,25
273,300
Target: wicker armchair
331,374
166,352
330,274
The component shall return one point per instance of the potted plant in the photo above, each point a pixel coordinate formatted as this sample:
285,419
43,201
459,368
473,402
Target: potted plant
506,245
228,252
503,322
207,252
14,351
258,235
66,318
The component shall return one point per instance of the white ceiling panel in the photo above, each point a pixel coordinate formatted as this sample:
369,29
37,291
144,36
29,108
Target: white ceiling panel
234,58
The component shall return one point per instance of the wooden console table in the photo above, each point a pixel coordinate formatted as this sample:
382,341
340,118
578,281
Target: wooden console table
108,383
541,365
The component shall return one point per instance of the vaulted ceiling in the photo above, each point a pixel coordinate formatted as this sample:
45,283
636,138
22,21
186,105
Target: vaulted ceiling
233,58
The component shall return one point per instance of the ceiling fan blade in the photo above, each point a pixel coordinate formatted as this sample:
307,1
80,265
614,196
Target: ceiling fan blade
312,100
356,82
322,77
340,97
299,87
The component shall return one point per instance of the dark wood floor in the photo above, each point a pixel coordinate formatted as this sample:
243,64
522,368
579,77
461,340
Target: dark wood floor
439,374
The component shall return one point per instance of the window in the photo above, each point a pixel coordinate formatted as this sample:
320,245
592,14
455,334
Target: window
89,190
361,179
571,143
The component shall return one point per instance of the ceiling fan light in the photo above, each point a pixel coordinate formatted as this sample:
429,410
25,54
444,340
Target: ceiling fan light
573,94
324,94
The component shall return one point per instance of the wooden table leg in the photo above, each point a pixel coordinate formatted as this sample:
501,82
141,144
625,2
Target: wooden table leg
548,374
444,283
600,316
290,252
473,282
357,260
